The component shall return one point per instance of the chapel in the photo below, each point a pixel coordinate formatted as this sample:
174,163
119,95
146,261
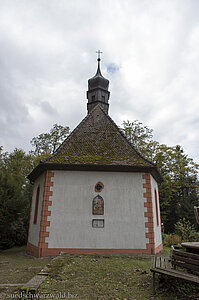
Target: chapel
96,193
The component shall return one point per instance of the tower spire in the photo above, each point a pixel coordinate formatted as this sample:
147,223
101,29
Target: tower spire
98,89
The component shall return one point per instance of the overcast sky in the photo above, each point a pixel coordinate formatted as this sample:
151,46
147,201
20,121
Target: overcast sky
150,56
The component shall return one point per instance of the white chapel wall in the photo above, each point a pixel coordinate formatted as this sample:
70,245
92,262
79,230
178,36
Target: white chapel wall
34,229
157,228
71,211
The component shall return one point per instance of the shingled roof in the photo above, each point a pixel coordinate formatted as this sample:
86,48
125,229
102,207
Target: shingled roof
97,144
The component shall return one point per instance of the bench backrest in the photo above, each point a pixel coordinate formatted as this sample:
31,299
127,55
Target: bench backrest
184,260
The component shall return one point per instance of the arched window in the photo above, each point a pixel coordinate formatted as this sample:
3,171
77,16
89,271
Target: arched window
98,205
36,205
156,206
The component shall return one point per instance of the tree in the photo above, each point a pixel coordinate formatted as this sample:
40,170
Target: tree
13,213
15,197
137,134
18,164
47,143
141,137
178,192
16,190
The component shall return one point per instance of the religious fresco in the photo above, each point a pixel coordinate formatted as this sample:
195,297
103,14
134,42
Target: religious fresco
98,205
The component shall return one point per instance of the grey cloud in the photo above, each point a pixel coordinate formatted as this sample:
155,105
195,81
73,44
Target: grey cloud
47,108
47,54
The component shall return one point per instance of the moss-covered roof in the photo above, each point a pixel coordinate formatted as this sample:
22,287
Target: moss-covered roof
97,140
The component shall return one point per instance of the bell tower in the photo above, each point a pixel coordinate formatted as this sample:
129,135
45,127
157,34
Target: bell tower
98,89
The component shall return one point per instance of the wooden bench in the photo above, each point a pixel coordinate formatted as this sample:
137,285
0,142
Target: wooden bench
187,262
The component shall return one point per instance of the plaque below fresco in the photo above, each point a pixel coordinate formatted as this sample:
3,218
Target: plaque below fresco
98,205
98,223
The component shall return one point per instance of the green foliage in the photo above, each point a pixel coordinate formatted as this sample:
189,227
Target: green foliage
16,190
47,143
187,231
172,239
18,164
137,134
13,213
15,196
179,191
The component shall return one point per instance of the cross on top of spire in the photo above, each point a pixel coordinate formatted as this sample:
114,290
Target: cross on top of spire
99,52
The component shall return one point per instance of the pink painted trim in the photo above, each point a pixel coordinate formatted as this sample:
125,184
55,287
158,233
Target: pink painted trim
159,248
149,213
55,251
45,213
32,249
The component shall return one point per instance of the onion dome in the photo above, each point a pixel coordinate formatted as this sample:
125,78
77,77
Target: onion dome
98,81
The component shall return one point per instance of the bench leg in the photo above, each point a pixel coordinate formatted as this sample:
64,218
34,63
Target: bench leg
154,282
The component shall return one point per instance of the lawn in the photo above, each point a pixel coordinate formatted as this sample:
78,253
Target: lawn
18,267
89,277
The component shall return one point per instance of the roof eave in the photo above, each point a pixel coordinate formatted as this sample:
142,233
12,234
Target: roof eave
39,169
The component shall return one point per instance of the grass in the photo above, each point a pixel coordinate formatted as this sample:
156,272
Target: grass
18,267
91,277
99,276
167,250
118,277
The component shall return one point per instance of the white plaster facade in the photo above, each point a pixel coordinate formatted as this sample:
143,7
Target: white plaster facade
34,229
71,211
157,228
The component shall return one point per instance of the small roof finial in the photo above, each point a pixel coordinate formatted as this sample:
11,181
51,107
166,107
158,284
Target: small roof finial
99,52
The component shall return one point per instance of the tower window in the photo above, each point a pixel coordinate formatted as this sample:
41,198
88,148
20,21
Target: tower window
103,98
93,98
98,205
36,205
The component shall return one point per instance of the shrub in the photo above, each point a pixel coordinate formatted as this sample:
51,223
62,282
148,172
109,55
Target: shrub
172,239
186,230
